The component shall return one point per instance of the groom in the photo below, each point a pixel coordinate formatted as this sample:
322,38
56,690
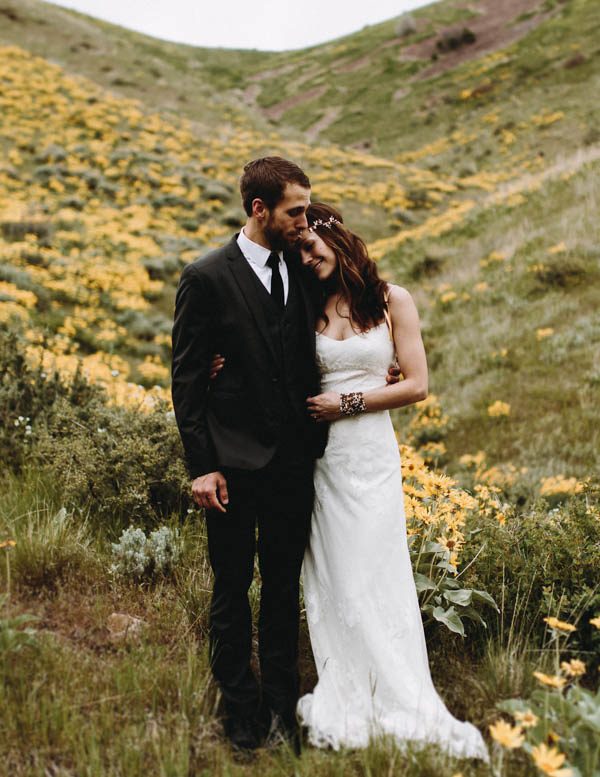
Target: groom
249,442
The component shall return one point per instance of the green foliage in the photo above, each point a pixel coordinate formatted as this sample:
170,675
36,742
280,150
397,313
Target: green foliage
28,393
552,555
119,464
441,596
122,465
146,558
573,715
15,633
51,547
561,710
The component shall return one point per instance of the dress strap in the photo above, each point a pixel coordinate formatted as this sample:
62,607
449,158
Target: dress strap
388,317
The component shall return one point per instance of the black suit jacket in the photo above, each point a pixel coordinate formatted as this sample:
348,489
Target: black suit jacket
233,420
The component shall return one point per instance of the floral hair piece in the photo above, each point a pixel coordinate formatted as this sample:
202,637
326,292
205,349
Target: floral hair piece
320,223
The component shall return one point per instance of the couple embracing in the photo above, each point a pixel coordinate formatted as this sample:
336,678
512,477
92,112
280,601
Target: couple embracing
284,343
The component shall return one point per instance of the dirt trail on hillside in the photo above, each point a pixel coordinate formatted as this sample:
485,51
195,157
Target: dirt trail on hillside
495,27
326,120
567,164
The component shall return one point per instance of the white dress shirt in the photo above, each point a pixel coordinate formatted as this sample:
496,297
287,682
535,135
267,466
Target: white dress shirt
257,256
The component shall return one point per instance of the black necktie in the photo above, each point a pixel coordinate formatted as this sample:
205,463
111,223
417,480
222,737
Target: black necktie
276,282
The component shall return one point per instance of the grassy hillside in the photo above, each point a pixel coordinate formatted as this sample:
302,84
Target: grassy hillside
392,93
473,174
103,202
170,77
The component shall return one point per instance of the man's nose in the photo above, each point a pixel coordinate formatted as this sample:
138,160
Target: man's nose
302,222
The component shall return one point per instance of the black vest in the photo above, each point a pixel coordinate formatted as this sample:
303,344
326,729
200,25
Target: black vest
288,330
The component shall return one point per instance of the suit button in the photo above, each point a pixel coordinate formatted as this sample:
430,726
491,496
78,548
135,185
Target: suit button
275,379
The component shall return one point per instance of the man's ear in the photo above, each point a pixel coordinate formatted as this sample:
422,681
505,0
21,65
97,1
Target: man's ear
259,209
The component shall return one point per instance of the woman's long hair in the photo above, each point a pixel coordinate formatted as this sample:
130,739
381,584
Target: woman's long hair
355,275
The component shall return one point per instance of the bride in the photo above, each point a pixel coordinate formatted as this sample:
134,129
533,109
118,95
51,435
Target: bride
361,602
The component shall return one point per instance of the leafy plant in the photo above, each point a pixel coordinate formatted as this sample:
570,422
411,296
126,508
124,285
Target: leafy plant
436,513
441,596
146,558
13,637
559,724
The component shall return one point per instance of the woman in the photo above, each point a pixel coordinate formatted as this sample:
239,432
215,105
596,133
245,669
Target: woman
361,603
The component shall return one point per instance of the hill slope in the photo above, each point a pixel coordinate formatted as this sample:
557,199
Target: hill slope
484,205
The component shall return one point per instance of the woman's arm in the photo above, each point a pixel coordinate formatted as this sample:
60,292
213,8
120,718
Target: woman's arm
410,354
412,361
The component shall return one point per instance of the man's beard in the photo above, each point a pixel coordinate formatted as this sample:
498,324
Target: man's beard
277,239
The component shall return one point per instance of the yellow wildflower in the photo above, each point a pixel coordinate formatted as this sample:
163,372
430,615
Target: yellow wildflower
560,484
549,760
558,248
553,681
7,544
573,668
448,296
527,719
595,621
498,408
541,334
554,623
507,735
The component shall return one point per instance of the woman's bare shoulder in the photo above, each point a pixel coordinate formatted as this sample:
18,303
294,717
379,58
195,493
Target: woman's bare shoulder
398,296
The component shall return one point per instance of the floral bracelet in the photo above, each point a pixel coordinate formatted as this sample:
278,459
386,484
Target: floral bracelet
353,403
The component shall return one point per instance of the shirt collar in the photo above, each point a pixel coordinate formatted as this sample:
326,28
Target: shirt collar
255,252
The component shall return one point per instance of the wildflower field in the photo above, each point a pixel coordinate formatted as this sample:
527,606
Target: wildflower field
473,173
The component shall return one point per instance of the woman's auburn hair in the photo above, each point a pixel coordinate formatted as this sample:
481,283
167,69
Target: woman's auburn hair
357,274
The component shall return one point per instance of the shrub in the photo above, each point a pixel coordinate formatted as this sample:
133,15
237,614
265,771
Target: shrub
162,268
436,513
561,271
235,217
13,637
559,711
118,462
146,558
455,39
27,393
530,553
51,546
23,280
144,326
121,464
218,191
16,230
406,25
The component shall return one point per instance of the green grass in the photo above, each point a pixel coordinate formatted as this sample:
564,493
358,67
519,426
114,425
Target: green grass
79,704
549,383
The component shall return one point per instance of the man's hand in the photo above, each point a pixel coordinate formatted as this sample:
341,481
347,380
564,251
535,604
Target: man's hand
324,407
216,365
393,376
210,491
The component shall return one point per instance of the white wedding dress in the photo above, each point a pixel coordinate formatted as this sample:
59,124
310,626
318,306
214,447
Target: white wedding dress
361,602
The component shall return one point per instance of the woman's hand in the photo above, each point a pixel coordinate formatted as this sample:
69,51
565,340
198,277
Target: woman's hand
324,407
216,365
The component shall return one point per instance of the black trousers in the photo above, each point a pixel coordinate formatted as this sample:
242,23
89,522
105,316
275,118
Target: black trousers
278,499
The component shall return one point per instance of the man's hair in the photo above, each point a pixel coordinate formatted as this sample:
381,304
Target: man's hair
266,179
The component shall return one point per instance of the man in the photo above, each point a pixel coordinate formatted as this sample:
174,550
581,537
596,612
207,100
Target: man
249,443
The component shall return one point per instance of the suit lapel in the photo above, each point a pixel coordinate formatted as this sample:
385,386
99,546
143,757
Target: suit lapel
243,275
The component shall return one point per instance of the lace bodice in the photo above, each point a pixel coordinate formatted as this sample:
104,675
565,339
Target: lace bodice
359,363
